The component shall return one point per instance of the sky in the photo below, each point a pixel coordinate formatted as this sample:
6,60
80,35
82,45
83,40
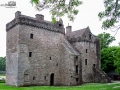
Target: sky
88,16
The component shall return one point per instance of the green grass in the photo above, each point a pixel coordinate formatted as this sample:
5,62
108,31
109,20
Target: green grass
113,86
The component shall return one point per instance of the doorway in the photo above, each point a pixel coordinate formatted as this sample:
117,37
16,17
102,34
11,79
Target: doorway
52,79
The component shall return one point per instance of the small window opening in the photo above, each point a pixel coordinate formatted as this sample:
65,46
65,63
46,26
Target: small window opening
76,58
60,25
31,36
33,77
50,58
77,69
86,50
90,36
94,65
77,79
85,61
57,64
30,54
45,77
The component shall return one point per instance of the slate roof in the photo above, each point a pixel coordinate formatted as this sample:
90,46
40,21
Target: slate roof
78,33
70,48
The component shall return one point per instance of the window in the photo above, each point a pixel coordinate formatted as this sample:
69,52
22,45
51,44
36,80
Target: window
31,36
60,25
33,77
76,68
90,36
45,77
77,79
86,50
57,64
50,58
30,54
85,61
26,77
76,58
93,65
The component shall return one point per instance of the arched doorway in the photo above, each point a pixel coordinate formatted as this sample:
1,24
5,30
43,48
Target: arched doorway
52,79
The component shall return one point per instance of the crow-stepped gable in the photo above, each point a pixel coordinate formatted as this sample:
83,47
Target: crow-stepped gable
40,53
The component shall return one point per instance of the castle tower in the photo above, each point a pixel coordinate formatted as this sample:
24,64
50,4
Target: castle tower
38,53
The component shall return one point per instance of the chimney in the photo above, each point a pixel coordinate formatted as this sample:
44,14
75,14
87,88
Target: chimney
17,14
39,17
68,31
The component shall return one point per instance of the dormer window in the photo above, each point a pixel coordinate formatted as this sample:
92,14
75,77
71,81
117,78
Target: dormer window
90,35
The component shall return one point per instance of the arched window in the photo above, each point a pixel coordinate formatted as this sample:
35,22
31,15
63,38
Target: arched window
26,76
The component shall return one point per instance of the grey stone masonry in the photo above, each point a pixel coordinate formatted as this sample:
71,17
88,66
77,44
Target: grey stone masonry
35,22
40,53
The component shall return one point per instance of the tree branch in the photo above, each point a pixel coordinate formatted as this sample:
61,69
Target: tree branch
116,5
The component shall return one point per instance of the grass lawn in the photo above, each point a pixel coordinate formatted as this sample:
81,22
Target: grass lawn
109,86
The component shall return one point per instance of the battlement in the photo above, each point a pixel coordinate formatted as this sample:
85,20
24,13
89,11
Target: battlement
38,22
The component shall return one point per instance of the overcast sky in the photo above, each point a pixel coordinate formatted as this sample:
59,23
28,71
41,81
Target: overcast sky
87,17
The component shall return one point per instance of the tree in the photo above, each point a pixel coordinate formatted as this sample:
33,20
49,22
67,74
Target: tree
110,59
117,60
59,8
111,15
105,40
2,63
108,56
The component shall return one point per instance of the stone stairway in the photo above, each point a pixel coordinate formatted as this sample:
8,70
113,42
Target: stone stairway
100,76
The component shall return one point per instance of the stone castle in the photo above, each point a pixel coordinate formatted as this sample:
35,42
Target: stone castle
41,53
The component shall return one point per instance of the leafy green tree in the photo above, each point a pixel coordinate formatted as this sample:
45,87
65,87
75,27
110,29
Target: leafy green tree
105,40
108,56
117,60
110,59
2,63
59,8
111,15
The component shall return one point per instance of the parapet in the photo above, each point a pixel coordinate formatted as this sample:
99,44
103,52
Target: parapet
38,22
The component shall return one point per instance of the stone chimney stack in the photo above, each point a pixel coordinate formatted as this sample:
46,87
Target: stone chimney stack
68,31
39,17
17,14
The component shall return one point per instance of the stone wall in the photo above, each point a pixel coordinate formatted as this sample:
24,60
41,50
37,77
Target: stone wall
48,56
45,48
88,45
88,57
70,59
39,53
12,56
100,76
